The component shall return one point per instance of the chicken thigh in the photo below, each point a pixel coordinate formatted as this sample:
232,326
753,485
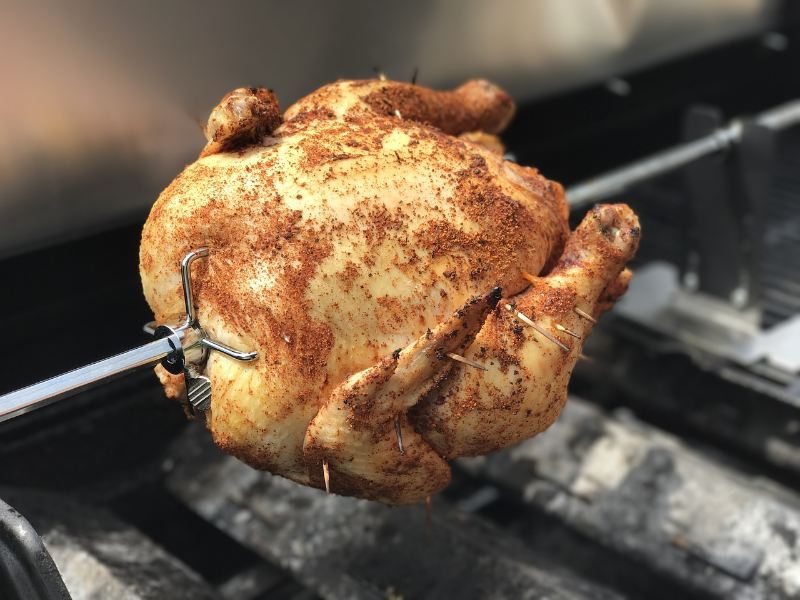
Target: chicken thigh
412,296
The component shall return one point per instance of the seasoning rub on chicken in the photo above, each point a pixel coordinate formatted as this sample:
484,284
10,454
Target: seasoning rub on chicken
412,296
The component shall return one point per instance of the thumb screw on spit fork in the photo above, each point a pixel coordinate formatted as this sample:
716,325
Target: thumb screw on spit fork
198,389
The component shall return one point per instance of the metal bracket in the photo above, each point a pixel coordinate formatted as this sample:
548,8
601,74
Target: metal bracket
727,199
196,346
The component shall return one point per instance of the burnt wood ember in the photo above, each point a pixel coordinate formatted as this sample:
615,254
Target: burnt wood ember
347,548
649,496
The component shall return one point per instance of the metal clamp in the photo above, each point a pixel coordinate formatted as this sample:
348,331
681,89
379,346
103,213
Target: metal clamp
196,343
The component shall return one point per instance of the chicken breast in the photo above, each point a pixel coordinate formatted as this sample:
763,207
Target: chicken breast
359,246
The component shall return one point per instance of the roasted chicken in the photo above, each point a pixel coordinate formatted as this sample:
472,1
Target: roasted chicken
412,296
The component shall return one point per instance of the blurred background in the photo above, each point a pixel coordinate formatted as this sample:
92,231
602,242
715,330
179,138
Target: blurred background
674,471
103,100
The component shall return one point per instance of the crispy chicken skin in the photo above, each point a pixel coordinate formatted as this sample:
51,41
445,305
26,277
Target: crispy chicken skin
357,240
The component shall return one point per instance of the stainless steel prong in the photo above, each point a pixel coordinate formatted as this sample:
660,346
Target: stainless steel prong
198,386
186,280
180,347
191,315
228,351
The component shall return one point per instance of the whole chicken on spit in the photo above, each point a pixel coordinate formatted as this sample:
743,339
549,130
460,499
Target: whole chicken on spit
412,296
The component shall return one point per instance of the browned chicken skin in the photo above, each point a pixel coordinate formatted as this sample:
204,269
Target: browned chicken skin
358,245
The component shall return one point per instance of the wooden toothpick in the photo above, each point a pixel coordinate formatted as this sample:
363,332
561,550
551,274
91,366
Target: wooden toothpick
461,359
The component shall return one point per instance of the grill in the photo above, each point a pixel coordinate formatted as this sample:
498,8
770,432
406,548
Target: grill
672,473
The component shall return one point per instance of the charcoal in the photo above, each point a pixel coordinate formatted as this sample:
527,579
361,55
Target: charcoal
344,548
645,494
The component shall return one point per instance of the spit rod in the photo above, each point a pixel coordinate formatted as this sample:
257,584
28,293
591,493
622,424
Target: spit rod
50,390
179,350
618,180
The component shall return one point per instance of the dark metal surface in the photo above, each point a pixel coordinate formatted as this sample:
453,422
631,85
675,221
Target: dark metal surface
133,79
27,571
51,297
100,556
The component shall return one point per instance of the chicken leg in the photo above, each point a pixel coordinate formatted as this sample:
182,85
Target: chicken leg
476,412
471,411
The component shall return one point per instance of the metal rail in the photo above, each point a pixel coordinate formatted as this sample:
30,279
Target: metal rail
618,180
